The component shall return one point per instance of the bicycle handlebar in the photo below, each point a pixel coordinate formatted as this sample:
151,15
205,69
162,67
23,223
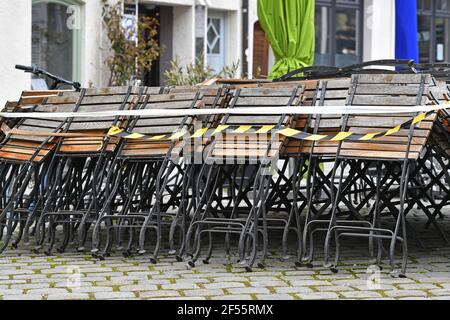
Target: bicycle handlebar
24,68
57,80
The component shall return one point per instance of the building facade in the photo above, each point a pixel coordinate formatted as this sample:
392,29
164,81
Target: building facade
68,37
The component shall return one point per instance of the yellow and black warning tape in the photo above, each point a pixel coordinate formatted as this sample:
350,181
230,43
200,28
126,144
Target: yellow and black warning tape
287,132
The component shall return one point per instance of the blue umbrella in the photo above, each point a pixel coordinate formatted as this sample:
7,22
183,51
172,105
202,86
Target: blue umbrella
406,30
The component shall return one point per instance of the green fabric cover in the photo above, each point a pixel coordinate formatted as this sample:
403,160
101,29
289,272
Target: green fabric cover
289,28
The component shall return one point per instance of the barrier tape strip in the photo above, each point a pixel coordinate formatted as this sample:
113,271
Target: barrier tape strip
268,110
287,132
293,133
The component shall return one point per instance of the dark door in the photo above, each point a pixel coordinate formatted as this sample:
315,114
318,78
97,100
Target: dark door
260,52
151,78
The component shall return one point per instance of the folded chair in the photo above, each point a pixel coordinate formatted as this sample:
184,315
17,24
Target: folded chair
285,188
212,97
318,184
146,183
25,155
432,169
75,186
393,155
241,160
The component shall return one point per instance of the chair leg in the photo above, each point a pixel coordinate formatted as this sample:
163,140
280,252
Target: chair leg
335,198
210,248
52,234
400,222
310,186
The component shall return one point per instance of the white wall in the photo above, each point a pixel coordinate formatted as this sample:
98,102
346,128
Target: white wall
379,30
93,69
233,47
15,48
224,4
252,18
233,51
184,33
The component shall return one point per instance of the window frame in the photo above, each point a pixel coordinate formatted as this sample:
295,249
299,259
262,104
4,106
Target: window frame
77,35
433,14
332,6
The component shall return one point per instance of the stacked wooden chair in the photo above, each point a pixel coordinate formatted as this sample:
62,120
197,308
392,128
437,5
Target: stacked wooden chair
148,180
240,158
75,184
26,154
193,156
432,169
319,184
393,155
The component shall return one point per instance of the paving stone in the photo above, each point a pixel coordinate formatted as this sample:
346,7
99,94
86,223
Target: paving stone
444,285
439,292
360,294
297,278
180,298
350,282
91,289
267,283
262,278
159,293
334,288
179,286
15,271
203,292
412,286
234,297
8,292
319,296
27,276
442,298
406,293
376,287
309,283
48,291
222,285
112,295
68,296
23,297
124,282
154,281
301,290
248,290
228,279
138,287
196,280
31,285
274,297
13,282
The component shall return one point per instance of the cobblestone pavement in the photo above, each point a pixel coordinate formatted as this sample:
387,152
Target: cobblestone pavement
72,275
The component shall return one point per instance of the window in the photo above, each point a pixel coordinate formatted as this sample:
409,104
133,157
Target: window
338,26
434,30
215,40
56,37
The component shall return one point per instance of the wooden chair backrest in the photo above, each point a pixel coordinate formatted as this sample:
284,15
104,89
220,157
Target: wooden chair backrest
97,100
250,145
329,92
23,147
161,126
404,90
